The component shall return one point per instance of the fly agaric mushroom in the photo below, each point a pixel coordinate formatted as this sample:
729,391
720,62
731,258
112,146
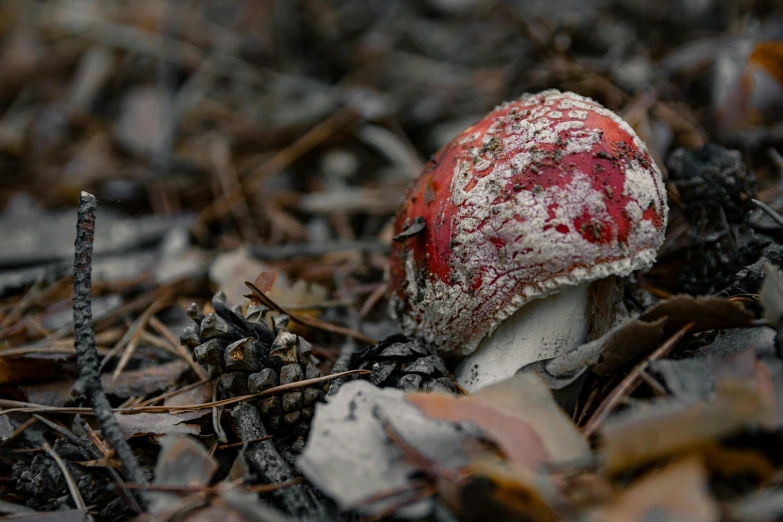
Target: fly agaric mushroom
543,198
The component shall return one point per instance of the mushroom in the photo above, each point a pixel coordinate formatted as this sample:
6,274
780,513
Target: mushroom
509,242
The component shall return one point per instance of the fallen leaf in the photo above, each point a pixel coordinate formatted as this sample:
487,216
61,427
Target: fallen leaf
706,313
29,369
693,379
6,428
771,294
762,506
215,511
182,462
626,343
496,492
299,295
678,492
519,414
349,439
760,339
57,393
754,85
198,395
159,423
265,280
665,428
230,270
148,380
769,56
70,515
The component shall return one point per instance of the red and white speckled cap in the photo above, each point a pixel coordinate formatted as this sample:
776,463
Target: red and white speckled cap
546,192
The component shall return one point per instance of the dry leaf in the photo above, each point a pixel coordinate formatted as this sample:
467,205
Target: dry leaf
215,511
666,428
181,462
519,414
29,369
771,294
769,56
625,344
159,423
57,393
707,313
70,515
230,270
198,395
497,492
350,439
265,280
678,492
148,380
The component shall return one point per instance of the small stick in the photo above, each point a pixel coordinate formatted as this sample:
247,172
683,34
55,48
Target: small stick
159,327
217,412
211,490
280,161
630,381
373,298
265,459
18,432
240,444
342,363
777,218
141,324
241,398
72,487
84,340
28,407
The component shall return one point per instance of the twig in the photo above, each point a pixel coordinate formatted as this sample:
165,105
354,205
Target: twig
241,398
75,493
342,364
29,297
27,350
158,342
174,393
777,218
265,460
140,325
18,432
414,496
223,166
240,444
181,351
372,299
278,162
630,381
84,340
213,490
217,413
27,407
307,320
657,387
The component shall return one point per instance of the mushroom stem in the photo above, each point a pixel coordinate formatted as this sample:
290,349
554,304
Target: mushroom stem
540,330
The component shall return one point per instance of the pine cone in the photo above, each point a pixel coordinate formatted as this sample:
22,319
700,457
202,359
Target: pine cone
407,364
249,358
42,483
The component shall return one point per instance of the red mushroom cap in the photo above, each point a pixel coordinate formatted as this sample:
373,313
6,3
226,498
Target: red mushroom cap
546,192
